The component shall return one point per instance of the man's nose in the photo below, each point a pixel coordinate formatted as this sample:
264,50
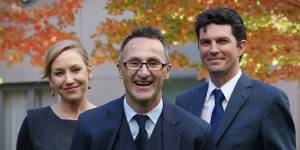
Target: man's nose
143,71
214,48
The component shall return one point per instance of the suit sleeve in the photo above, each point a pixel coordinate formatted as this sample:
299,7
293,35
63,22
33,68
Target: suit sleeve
79,141
184,102
207,141
278,129
24,139
179,101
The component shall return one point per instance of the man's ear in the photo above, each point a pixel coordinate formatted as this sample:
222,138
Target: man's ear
242,47
168,71
120,70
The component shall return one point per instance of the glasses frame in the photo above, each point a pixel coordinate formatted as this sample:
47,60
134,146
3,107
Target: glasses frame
141,65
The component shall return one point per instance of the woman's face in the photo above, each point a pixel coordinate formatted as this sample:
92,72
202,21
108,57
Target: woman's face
70,75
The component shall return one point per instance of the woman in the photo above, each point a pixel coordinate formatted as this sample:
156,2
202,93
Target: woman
69,72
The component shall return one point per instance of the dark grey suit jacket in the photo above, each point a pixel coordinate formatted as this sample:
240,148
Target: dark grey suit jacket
257,116
97,129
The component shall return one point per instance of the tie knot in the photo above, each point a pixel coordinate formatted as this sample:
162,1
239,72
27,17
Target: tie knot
141,120
219,96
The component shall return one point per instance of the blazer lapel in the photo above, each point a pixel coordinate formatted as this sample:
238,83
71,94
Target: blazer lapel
171,134
198,99
113,118
236,102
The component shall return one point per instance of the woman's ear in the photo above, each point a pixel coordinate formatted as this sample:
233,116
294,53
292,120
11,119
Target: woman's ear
90,72
50,82
52,94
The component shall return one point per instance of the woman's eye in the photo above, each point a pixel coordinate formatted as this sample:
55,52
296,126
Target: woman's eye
58,73
76,70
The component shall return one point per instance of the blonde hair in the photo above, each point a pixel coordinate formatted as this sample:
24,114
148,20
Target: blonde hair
59,47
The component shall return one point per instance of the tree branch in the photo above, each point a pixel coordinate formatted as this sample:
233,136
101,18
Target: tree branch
293,3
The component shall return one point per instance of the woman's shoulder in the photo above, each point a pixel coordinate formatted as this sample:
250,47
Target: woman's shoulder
38,111
39,114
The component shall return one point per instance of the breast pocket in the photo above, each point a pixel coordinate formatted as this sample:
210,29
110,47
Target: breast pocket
241,138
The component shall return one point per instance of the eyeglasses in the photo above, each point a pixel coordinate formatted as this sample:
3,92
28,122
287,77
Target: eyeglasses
152,66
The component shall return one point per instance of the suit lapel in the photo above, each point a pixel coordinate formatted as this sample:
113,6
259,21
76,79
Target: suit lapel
113,118
198,99
171,134
236,102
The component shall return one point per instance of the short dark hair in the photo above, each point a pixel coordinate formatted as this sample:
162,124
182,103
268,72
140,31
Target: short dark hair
222,16
146,32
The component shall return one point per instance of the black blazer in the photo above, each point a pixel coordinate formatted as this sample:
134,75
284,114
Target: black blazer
257,116
97,129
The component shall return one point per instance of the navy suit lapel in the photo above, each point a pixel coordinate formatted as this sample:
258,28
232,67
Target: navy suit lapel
171,134
238,98
198,99
114,118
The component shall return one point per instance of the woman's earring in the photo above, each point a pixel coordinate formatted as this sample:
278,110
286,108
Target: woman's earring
89,87
52,92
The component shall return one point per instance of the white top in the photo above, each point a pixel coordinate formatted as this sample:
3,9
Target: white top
227,90
150,123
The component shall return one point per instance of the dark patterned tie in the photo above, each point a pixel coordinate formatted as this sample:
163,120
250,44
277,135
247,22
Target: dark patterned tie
218,111
142,137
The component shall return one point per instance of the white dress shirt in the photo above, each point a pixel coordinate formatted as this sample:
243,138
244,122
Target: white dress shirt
227,90
150,123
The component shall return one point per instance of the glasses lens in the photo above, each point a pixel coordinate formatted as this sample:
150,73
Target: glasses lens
133,65
152,66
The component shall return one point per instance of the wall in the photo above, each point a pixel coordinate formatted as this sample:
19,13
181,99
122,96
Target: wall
292,89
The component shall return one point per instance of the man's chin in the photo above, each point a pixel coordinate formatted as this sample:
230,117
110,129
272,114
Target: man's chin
143,98
217,71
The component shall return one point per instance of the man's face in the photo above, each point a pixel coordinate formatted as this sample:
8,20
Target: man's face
143,86
219,49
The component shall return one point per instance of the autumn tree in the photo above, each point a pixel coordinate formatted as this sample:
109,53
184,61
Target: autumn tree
31,30
273,28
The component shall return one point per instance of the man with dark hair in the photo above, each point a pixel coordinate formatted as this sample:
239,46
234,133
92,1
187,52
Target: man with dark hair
244,113
142,119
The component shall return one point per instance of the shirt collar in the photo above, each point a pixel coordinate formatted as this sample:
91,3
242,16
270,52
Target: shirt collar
153,114
227,88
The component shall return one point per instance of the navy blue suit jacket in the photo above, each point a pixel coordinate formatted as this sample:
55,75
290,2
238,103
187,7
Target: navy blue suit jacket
97,129
257,116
